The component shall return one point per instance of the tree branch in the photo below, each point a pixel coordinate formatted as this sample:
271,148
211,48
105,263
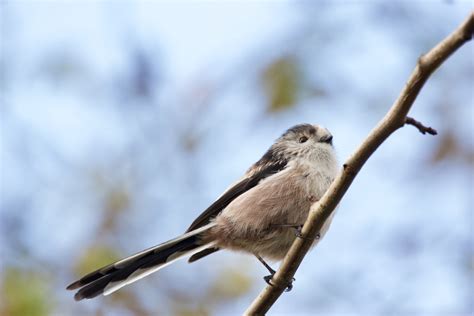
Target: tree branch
422,128
393,120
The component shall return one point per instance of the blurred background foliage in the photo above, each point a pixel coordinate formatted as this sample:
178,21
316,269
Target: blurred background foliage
280,81
121,121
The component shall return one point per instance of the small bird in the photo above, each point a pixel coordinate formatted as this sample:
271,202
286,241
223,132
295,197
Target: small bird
260,214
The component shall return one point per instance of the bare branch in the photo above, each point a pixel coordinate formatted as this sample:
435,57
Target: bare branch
422,128
393,120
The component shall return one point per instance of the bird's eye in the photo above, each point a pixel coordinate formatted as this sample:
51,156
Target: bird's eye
303,139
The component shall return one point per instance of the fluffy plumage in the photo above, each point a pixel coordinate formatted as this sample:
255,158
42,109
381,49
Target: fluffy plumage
250,216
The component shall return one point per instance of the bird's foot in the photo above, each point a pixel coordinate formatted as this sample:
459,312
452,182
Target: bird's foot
268,279
298,230
299,233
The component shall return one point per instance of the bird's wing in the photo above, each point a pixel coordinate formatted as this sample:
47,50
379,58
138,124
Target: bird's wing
261,170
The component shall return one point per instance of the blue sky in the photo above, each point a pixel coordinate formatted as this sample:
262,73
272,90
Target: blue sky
72,129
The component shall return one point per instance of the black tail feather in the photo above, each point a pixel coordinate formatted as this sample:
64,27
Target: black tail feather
201,254
95,283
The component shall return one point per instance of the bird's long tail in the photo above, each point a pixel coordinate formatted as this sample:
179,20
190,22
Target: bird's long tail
114,276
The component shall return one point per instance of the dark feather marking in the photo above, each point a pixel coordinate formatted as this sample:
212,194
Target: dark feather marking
111,268
96,282
300,129
267,168
202,254
271,160
90,277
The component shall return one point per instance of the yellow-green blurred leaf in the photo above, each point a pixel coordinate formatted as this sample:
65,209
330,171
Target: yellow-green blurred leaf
96,257
25,293
118,199
281,82
188,311
231,284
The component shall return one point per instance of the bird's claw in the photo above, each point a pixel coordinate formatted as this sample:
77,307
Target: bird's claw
268,279
299,233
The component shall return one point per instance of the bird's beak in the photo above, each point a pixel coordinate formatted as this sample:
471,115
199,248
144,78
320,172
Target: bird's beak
326,139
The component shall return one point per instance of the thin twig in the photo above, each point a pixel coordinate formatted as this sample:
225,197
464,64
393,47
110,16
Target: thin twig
422,128
393,120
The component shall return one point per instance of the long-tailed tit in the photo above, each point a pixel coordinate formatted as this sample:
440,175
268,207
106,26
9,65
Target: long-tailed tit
256,215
